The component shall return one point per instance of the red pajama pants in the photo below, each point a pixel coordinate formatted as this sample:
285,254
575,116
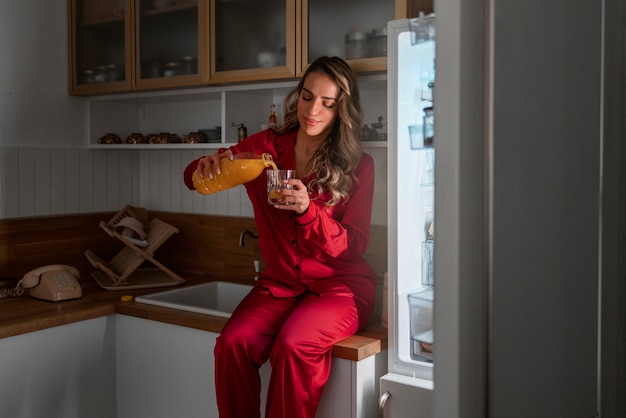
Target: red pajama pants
297,335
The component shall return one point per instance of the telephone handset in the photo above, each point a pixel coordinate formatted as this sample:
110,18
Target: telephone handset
54,282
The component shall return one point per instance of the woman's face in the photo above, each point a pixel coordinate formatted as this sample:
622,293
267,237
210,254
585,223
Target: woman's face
317,105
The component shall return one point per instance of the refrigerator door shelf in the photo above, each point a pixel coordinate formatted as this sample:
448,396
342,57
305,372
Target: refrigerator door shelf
421,317
422,346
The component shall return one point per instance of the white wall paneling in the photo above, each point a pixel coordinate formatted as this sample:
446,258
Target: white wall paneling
10,186
51,181
40,181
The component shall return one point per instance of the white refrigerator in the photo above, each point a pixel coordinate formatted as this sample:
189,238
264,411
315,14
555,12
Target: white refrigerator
508,322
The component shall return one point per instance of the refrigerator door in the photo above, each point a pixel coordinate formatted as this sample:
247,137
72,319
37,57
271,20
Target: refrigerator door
401,394
411,164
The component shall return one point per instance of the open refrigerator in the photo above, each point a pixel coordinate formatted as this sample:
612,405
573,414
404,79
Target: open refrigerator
407,388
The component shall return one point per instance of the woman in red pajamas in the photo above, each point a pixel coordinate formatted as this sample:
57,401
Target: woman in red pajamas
317,289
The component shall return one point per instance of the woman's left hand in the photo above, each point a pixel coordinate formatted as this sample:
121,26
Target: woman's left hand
296,199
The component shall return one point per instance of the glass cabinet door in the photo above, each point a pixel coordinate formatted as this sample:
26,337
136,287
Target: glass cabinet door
170,46
99,46
252,40
355,30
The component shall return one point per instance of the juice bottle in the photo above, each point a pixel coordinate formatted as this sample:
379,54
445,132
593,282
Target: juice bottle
244,168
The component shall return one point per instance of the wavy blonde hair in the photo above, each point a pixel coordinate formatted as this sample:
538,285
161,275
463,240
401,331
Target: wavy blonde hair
336,159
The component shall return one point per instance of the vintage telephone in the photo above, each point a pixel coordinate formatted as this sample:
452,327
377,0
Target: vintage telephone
54,282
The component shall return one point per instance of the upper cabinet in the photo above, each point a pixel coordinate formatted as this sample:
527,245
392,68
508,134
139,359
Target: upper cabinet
355,30
126,45
252,40
100,40
170,47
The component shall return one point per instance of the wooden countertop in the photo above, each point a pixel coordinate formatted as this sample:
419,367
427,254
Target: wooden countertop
25,314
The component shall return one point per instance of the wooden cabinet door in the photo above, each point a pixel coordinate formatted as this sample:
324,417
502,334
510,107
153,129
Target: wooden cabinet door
170,43
164,370
351,29
252,40
99,46
414,7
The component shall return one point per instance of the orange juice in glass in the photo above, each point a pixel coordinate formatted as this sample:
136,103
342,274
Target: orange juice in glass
275,179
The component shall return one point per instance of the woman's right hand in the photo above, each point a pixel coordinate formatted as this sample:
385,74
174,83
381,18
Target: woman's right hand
208,166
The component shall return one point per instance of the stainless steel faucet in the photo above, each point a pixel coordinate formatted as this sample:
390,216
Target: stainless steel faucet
244,233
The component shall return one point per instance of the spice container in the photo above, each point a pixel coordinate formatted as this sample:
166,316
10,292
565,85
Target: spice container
242,132
357,45
114,73
87,77
100,75
171,69
379,43
188,65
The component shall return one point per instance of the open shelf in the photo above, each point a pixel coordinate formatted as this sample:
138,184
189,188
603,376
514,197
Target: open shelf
184,111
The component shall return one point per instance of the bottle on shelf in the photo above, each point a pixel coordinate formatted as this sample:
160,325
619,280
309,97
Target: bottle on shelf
242,132
273,120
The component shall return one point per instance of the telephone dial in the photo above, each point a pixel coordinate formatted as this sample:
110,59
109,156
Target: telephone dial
55,282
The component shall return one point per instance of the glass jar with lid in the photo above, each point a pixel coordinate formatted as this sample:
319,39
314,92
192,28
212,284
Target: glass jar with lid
357,45
379,43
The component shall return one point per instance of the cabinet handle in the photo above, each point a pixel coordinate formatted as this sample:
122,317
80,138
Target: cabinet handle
382,401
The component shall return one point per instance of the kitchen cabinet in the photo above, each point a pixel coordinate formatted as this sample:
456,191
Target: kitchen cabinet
170,43
352,388
64,371
166,370
252,40
124,45
100,46
163,370
295,33
400,394
352,29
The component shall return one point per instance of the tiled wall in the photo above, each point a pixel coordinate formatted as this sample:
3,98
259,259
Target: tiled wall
51,181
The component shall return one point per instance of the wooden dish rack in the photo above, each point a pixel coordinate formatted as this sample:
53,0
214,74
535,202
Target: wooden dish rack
122,271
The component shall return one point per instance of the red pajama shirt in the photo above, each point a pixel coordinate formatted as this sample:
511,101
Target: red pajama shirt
316,290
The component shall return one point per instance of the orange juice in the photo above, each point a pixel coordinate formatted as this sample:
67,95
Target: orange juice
233,173
274,194
274,197
275,184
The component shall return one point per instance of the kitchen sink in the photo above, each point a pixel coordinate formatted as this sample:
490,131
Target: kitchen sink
213,298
